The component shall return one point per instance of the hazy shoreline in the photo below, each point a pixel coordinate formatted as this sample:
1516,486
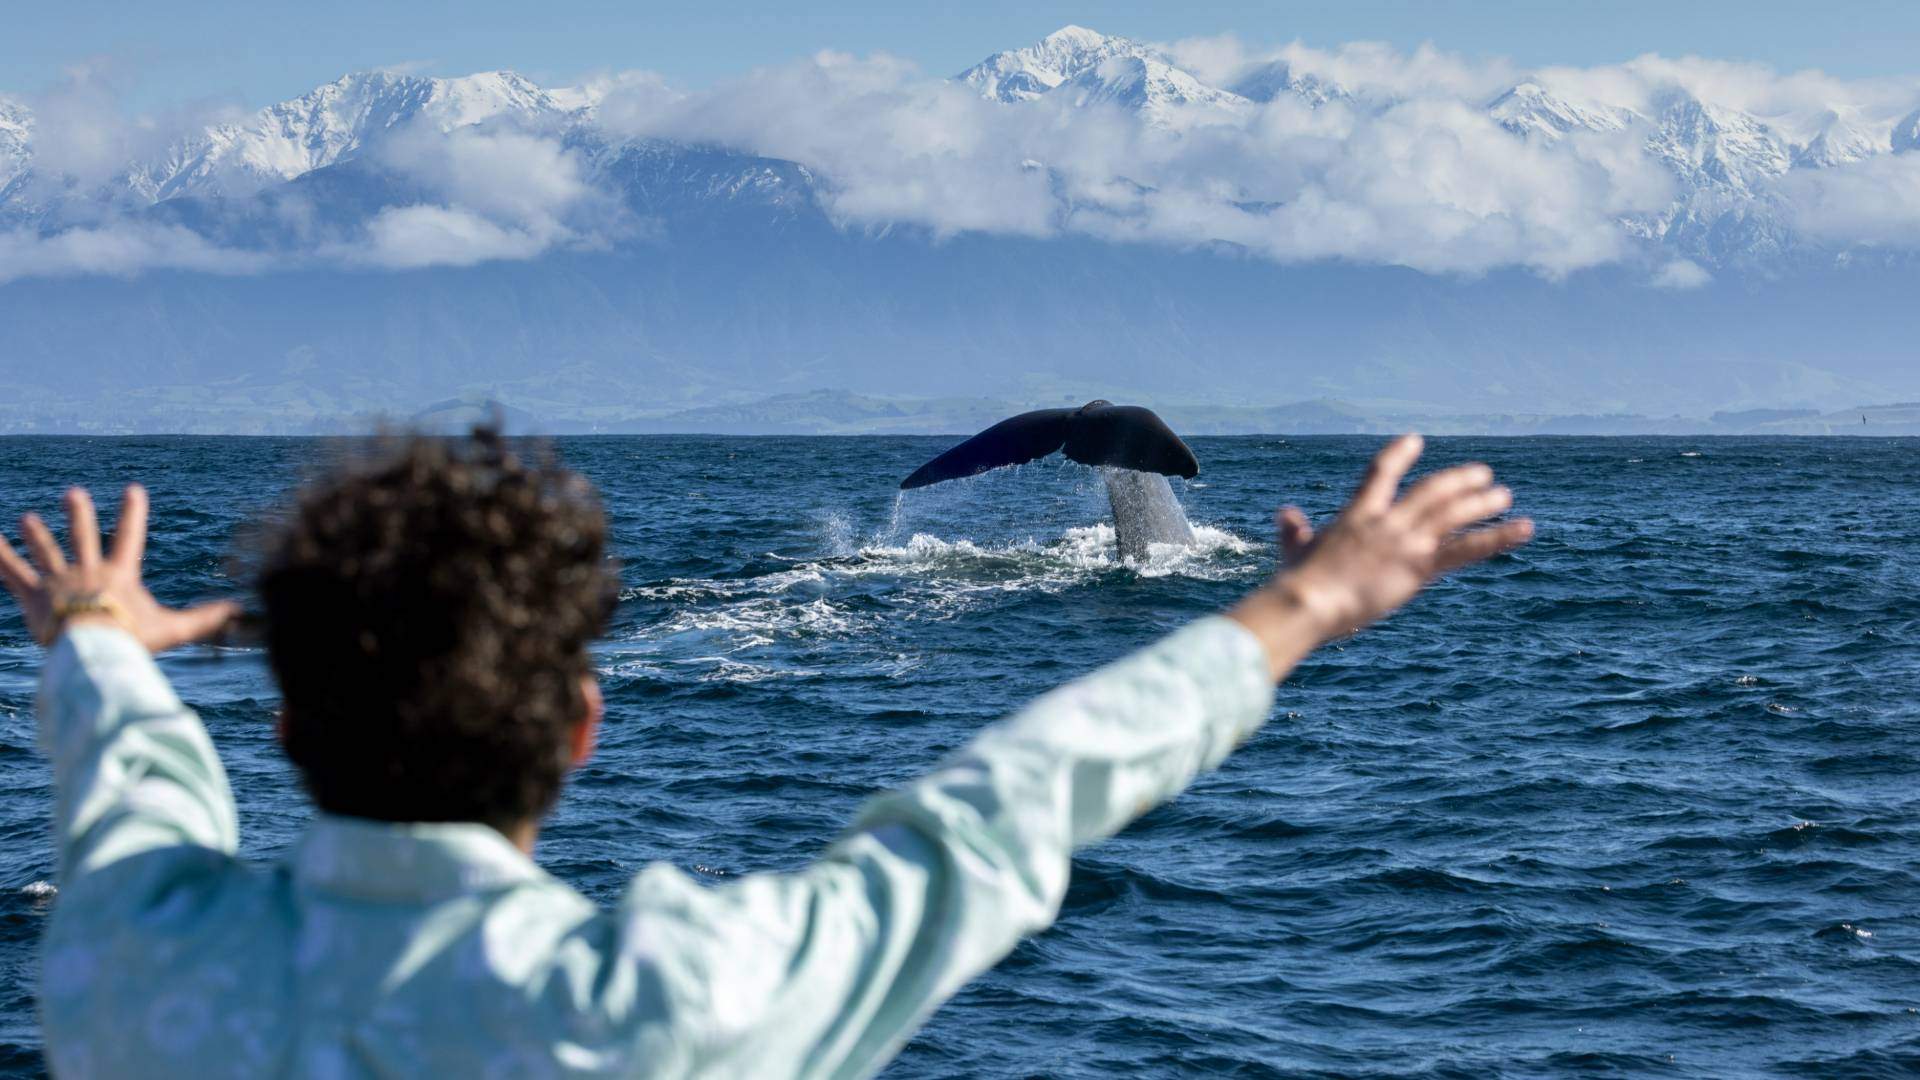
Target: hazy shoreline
839,412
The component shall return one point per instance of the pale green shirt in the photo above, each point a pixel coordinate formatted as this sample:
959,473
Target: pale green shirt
390,950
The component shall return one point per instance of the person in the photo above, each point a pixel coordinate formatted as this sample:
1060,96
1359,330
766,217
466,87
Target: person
428,613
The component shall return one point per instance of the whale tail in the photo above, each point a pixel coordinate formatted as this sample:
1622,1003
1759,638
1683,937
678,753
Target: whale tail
1135,450
1097,433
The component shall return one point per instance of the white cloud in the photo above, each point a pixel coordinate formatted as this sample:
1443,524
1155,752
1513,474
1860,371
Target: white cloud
1680,274
504,173
1875,202
122,248
418,66
1430,183
506,195
84,137
892,144
409,237
1379,70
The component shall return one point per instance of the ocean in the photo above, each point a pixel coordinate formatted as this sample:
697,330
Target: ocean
1642,799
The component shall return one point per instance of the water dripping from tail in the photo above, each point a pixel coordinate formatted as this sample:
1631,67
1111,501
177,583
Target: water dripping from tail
1144,513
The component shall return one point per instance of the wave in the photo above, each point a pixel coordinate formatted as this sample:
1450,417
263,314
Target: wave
1083,549
749,628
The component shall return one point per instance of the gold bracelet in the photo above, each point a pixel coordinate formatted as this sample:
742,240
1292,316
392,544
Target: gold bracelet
85,604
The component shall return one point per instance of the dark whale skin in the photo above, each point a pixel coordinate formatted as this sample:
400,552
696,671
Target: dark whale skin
1097,433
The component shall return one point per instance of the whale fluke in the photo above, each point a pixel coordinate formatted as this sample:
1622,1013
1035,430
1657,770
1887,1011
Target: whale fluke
1097,433
1135,450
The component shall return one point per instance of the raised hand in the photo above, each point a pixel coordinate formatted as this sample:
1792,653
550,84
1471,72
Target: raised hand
1379,553
54,593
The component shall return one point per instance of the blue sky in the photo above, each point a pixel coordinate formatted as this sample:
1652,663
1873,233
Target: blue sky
254,53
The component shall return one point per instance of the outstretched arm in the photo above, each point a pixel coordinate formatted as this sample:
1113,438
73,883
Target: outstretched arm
133,768
828,971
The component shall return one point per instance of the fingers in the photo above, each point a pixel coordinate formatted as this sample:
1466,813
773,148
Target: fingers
83,527
1467,509
1482,544
1296,534
196,623
1438,489
15,573
40,546
1383,476
130,535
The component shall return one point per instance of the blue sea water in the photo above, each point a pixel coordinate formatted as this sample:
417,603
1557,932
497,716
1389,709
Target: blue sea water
1640,800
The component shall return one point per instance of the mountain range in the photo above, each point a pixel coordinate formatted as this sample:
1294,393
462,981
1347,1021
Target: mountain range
345,254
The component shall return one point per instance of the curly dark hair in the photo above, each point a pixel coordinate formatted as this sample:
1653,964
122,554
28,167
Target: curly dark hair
428,608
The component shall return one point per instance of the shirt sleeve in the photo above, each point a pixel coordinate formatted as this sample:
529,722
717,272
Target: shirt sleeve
133,768
828,971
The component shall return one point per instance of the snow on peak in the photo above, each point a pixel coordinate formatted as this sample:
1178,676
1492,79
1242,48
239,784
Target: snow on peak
332,123
1071,36
1277,79
16,130
1840,141
1726,162
1026,73
1087,68
1154,88
1714,146
16,148
478,98
15,119
1530,109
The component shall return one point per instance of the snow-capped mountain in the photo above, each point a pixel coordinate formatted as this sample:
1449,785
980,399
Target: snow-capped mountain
1085,67
1025,74
1160,93
1712,146
1726,163
1276,79
1705,145
1724,160
665,180
16,135
1840,140
1528,109
332,124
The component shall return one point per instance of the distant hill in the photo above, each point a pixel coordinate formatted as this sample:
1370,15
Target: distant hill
842,413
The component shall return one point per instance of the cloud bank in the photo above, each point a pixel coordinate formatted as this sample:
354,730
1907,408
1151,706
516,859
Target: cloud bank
1430,183
500,194
119,248
1405,165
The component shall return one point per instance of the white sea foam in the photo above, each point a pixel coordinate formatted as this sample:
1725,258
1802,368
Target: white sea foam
752,621
697,589
737,671
1084,548
762,620
39,890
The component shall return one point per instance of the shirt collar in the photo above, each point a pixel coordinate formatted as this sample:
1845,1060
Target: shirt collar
406,861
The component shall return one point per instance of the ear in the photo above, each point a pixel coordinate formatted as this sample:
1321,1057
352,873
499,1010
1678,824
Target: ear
587,731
